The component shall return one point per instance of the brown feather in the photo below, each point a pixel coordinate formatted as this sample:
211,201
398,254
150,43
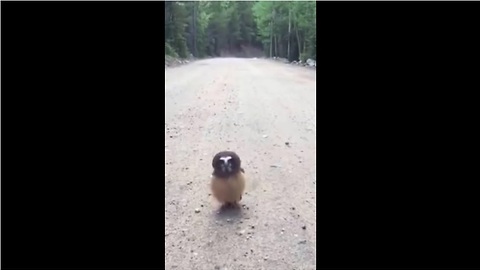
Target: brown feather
228,190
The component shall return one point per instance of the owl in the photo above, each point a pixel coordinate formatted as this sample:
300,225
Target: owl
228,178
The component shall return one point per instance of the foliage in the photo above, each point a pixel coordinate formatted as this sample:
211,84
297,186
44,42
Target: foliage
169,50
216,28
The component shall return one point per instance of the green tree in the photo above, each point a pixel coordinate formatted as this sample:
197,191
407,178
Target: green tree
216,28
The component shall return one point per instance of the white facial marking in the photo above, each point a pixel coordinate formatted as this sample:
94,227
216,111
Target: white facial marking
226,159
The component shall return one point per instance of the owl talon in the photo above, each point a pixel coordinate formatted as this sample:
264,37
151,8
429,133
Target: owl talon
231,205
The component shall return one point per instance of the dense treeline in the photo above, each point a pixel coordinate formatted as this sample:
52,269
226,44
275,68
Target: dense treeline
281,29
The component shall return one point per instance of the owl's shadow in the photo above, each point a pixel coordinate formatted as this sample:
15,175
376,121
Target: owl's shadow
229,212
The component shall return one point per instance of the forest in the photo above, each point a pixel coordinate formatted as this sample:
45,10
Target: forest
241,29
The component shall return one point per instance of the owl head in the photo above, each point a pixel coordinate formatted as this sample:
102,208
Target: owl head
225,164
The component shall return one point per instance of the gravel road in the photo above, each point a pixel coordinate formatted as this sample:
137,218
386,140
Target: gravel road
265,111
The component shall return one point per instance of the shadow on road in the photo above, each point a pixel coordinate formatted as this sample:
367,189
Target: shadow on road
229,212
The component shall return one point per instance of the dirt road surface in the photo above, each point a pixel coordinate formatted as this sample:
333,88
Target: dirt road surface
265,111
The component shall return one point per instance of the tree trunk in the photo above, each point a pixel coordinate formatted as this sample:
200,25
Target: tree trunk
299,47
275,45
271,33
195,52
271,43
279,46
289,31
304,44
295,25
